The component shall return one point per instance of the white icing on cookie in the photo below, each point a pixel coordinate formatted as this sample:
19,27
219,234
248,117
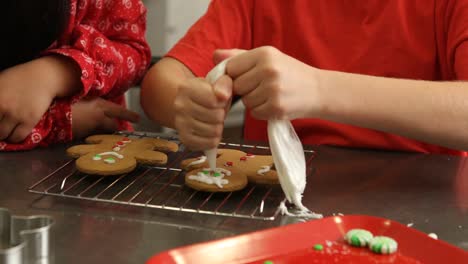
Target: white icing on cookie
209,179
115,154
109,161
221,170
116,149
263,170
200,160
97,157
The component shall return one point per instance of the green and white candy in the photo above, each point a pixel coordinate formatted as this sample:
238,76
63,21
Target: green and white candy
358,237
383,245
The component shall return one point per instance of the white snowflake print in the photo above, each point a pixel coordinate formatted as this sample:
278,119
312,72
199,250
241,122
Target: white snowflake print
88,28
108,70
135,29
87,58
98,85
83,43
2,145
118,26
108,3
36,137
73,9
142,8
104,25
117,54
127,4
99,4
62,134
82,4
100,42
84,74
99,65
131,64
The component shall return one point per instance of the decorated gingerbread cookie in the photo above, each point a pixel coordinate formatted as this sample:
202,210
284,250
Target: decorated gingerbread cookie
258,168
220,180
113,154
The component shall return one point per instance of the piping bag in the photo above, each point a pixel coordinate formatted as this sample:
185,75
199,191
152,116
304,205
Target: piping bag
288,156
212,77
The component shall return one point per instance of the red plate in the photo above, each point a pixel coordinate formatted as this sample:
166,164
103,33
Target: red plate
294,244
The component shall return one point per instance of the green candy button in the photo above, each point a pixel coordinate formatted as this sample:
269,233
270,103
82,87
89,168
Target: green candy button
383,245
217,174
358,237
318,247
206,172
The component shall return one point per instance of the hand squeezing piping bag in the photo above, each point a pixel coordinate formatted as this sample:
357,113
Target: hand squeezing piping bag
288,156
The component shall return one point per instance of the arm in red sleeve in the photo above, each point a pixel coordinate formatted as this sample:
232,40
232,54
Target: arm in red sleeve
226,25
54,127
107,40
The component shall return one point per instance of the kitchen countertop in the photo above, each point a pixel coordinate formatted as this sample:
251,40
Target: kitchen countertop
428,191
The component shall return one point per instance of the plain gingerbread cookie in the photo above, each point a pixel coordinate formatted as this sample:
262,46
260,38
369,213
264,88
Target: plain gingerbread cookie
107,155
258,168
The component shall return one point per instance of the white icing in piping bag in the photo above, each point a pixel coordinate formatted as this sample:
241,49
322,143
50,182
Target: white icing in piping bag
288,155
212,77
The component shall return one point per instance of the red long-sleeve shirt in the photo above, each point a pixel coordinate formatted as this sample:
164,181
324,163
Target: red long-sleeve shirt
107,40
423,40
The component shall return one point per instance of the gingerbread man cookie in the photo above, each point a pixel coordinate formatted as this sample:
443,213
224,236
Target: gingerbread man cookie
114,154
257,168
219,180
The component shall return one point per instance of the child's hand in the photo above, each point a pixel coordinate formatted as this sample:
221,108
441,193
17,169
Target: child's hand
24,98
97,115
27,90
200,110
272,84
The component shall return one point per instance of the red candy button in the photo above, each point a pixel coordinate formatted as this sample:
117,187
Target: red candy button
120,143
229,164
249,155
125,139
243,158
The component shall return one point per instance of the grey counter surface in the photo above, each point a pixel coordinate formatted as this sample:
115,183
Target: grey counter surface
428,191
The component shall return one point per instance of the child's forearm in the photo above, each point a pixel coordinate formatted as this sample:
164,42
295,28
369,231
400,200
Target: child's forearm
434,112
159,90
63,74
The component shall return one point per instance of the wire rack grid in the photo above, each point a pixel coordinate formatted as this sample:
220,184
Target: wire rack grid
164,188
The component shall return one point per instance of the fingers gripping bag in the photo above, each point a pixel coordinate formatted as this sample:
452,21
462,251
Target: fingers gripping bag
288,155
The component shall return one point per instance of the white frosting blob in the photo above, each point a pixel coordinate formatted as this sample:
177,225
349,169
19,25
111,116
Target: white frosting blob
263,170
97,157
116,149
111,153
208,179
109,161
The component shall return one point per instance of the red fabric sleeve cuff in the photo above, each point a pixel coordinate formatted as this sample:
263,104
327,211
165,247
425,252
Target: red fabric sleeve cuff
200,63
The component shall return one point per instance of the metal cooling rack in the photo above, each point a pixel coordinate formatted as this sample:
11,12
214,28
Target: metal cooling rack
164,188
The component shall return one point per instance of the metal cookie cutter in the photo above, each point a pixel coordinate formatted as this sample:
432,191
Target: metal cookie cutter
25,239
